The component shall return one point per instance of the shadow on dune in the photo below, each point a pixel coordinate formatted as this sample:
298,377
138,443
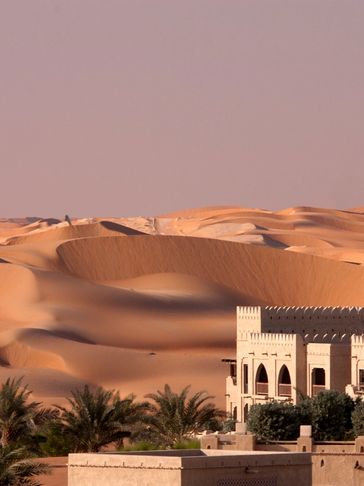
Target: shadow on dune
70,336
126,230
49,221
67,335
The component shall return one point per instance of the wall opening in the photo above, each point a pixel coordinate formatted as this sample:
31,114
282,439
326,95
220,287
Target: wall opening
245,372
284,382
318,381
261,382
361,379
245,413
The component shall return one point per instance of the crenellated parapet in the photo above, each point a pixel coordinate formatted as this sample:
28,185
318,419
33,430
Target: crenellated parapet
357,340
249,312
347,315
271,339
249,317
321,324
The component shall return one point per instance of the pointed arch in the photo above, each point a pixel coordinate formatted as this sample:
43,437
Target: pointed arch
284,382
261,381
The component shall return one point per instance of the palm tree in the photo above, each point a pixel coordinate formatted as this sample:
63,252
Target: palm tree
20,419
175,417
98,418
16,468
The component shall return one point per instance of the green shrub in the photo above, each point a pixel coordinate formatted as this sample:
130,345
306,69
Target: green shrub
187,444
274,421
142,445
331,413
358,419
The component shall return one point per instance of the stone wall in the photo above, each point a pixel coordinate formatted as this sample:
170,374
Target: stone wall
333,463
190,468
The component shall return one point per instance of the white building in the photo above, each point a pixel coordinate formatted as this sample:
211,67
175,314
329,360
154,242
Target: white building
285,352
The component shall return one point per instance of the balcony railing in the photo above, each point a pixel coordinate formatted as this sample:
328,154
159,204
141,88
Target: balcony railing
261,388
284,390
316,389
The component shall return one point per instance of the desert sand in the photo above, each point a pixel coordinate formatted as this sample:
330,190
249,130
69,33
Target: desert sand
134,303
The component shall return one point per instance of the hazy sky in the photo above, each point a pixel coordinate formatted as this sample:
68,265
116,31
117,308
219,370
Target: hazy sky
116,107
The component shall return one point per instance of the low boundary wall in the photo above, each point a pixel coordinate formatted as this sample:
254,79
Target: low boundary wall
333,463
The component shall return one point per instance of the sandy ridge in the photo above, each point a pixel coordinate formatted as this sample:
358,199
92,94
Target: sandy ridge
132,303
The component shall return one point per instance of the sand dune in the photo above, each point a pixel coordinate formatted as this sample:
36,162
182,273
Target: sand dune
64,231
259,274
133,303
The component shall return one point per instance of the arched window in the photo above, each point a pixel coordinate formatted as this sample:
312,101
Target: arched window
261,382
318,381
284,382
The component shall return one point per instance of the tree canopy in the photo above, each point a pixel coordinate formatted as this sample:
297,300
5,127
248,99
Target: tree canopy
20,418
176,417
95,418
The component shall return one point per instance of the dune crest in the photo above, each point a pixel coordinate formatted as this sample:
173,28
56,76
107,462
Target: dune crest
133,303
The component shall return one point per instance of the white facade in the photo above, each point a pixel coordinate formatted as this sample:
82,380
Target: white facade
283,353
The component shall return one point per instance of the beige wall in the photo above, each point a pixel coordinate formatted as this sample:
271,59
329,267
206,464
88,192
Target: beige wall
116,469
333,463
301,338
337,469
231,395
273,351
357,346
285,475
207,468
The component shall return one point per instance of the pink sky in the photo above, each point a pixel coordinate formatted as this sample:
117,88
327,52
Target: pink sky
116,107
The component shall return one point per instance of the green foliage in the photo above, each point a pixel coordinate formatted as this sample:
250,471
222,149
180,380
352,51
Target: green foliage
274,421
17,468
144,433
188,444
331,415
56,442
96,418
175,417
21,420
304,408
228,425
142,445
358,418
